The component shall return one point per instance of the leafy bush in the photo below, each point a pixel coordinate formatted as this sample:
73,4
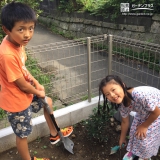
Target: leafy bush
67,6
2,114
105,8
43,78
96,124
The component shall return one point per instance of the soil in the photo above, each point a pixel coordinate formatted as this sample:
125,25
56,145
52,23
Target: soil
84,149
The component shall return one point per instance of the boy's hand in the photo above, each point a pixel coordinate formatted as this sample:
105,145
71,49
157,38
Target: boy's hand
41,94
39,87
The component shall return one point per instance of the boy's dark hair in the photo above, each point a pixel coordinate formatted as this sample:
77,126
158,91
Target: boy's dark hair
15,12
115,79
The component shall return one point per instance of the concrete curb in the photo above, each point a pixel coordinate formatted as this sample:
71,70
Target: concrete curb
64,117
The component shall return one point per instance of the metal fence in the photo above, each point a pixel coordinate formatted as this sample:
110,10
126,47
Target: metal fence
136,61
71,70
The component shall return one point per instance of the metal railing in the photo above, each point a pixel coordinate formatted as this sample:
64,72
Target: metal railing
136,61
71,70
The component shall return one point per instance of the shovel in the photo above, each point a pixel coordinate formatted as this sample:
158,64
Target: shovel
115,149
68,144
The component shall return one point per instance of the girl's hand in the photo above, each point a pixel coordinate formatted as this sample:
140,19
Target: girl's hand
122,142
141,132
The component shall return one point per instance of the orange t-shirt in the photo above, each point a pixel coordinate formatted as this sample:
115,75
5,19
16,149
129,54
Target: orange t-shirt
12,67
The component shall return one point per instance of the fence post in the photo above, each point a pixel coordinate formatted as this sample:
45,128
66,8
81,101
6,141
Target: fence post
110,44
89,67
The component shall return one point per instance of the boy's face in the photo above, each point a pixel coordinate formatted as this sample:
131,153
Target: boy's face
21,33
113,92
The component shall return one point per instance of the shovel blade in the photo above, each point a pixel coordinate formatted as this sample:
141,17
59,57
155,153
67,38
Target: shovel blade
68,144
114,149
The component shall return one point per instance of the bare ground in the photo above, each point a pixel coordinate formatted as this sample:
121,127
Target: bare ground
84,149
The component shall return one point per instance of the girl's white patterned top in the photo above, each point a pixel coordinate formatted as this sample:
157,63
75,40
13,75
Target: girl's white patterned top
145,100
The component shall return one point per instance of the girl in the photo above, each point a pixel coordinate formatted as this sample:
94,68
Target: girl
145,129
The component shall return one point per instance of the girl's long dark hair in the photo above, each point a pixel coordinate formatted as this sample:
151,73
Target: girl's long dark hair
117,80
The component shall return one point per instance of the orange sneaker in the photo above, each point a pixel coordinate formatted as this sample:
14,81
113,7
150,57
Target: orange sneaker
34,158
65,131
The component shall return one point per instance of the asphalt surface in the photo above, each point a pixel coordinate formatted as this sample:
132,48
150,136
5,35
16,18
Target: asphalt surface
133,73
43,36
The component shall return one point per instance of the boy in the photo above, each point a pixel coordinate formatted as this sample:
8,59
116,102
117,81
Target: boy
17,85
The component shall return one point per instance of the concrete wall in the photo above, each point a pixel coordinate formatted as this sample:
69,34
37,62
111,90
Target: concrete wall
83,25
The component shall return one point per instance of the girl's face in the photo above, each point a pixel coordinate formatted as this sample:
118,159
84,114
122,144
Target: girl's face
113,92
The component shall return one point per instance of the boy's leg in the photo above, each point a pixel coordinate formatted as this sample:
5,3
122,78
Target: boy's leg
54,137
22,127
66,131
52,128
22,146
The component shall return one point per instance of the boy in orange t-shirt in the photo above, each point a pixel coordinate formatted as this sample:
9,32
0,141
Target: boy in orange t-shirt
20,91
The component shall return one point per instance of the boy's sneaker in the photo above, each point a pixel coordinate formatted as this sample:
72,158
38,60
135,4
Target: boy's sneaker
65,131
129,156
34,158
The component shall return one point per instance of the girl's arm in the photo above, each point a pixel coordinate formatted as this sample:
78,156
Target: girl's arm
152,117
142,129
124,130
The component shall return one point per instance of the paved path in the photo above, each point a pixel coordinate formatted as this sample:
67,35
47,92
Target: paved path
43,36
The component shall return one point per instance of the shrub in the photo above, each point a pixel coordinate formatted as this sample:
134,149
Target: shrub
96,124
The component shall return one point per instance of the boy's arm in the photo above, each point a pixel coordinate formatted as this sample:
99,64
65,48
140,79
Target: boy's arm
28,88
37,85
34,81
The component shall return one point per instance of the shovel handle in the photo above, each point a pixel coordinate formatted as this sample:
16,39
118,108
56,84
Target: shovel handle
44,101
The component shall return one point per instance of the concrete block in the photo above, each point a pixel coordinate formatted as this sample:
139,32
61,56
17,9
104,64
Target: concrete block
76,116
64,117
7,139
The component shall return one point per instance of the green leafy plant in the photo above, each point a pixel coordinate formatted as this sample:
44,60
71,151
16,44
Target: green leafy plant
66,5
43,78
38,140
96,124
105,8
2,114
44,147
150,60
35,152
